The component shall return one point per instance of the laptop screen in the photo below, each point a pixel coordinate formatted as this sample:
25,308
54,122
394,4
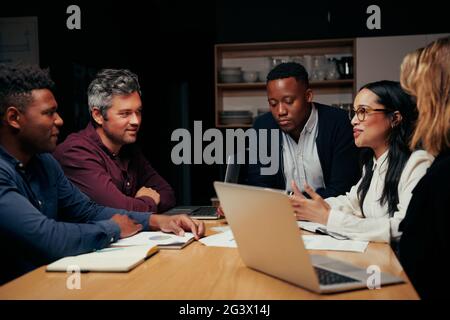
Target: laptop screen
232,171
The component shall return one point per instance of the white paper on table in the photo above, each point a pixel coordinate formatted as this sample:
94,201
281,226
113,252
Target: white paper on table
224,239
154,237
221,228
314,242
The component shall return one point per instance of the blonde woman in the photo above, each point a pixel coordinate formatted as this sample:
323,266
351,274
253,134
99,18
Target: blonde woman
425,242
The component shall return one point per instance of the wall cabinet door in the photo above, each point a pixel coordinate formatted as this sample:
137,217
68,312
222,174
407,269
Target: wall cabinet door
379,58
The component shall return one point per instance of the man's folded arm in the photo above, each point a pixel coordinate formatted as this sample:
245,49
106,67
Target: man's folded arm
75,206
151,179
85,170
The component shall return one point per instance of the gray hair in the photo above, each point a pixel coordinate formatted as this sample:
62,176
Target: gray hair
108,83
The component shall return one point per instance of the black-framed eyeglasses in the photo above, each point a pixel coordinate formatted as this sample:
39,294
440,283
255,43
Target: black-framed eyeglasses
361,112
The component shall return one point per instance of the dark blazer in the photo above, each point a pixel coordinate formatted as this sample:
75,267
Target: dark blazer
425,242
338,155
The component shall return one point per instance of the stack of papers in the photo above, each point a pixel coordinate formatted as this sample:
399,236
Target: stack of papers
161,239
312,242
224,239
221,228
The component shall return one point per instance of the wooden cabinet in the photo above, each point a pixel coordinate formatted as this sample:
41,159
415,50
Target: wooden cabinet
379,58
258,56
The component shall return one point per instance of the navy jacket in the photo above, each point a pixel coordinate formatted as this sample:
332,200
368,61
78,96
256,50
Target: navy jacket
338,154
44,217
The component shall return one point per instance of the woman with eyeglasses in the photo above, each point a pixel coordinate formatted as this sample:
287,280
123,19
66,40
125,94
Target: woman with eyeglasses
383,118
425,242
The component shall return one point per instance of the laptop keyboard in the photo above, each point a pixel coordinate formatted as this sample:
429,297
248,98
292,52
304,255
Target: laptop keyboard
203,211
328,277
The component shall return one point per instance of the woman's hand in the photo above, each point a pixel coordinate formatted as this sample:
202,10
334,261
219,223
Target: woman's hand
315,209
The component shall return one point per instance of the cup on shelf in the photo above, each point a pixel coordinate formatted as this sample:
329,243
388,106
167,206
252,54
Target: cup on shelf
321,74
297,59
274,61
345,67
318,68
308,64
262,75
319,62
332,72
317,75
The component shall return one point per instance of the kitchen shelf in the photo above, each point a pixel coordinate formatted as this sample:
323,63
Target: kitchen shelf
248,56
262,85
234,126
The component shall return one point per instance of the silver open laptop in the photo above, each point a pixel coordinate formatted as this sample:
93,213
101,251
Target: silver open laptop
269,240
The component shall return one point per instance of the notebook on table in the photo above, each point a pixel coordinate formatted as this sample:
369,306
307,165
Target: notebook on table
111,259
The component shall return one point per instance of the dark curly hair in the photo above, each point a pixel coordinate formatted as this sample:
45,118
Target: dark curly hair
17,82
287,70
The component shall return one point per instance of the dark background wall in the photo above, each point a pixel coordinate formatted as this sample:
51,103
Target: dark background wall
169,44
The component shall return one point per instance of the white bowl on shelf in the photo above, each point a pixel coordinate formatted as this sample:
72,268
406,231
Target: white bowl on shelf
226,78
236,120
250,76
262,75
231,70
230,75
231,117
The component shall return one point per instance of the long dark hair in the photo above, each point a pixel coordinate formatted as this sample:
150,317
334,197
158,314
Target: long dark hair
391,95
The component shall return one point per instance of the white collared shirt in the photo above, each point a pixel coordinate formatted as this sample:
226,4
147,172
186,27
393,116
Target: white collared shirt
345,214
300,159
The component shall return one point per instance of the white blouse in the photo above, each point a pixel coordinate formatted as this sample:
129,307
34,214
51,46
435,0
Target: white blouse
345,214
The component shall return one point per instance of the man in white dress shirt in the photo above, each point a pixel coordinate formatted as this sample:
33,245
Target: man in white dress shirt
315,145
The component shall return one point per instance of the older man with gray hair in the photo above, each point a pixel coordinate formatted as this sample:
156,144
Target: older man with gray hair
102,160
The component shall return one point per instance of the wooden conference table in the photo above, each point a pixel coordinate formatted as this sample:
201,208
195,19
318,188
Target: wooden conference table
200,272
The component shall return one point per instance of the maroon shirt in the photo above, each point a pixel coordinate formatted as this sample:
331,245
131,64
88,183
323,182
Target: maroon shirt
108,179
